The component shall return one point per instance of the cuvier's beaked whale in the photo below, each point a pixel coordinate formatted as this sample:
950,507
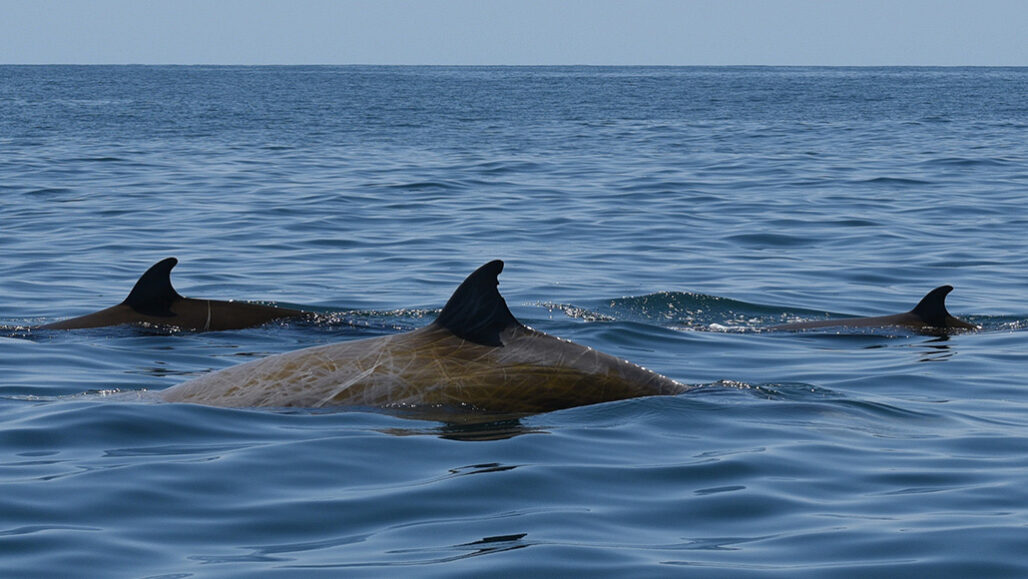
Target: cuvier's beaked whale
474,356
155,302
929,314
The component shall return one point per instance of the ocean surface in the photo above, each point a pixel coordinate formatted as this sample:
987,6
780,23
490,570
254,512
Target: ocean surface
667,216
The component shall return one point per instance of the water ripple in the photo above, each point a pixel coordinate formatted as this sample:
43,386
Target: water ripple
664,215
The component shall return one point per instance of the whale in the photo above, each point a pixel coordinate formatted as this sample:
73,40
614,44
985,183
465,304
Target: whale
929,315
475,356
153,301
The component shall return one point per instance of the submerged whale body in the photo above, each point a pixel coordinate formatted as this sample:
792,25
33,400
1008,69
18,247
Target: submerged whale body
929,314
475,355
155,302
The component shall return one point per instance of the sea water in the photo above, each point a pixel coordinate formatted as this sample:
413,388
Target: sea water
664,215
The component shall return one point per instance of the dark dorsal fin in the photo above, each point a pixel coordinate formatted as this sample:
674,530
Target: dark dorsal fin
476,311
153,295
932,308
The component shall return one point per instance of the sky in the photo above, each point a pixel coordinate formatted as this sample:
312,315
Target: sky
517,32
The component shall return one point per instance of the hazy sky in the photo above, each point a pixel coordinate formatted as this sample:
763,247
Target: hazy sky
683,32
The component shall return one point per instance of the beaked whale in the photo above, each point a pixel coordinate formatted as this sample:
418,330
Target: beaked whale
474,356
154,301
929,315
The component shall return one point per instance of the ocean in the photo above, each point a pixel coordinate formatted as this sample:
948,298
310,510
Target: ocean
667,216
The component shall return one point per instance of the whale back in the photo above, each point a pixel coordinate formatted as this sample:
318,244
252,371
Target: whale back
154,301
929,314
431,368
474,356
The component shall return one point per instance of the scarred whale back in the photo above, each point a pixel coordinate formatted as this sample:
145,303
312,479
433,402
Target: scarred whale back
475,356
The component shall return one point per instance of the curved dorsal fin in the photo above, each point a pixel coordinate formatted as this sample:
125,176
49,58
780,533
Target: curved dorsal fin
153,294
932,308
476,311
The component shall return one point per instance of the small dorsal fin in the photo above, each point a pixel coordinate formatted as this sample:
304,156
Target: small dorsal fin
476,311
932,308
153,294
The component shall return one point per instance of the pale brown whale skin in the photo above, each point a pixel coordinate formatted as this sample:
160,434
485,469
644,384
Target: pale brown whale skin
929,315
154,302
475,356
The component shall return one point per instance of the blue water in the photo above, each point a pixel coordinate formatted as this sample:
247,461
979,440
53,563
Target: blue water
664,215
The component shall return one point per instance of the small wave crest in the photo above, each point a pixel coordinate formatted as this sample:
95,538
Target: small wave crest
968,162
682,311
691,312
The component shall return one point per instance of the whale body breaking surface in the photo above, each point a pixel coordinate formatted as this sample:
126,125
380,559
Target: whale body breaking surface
153,301
475,355
929,316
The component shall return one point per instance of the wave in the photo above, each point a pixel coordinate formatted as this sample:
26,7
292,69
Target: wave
770,240
894,181
440,185
687,311
102,159
967,162
677,310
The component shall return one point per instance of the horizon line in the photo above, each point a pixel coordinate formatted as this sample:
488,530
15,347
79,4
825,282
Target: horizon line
507,65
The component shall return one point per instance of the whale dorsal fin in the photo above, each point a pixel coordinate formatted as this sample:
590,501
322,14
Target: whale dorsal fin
932,308
476,311
153,294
